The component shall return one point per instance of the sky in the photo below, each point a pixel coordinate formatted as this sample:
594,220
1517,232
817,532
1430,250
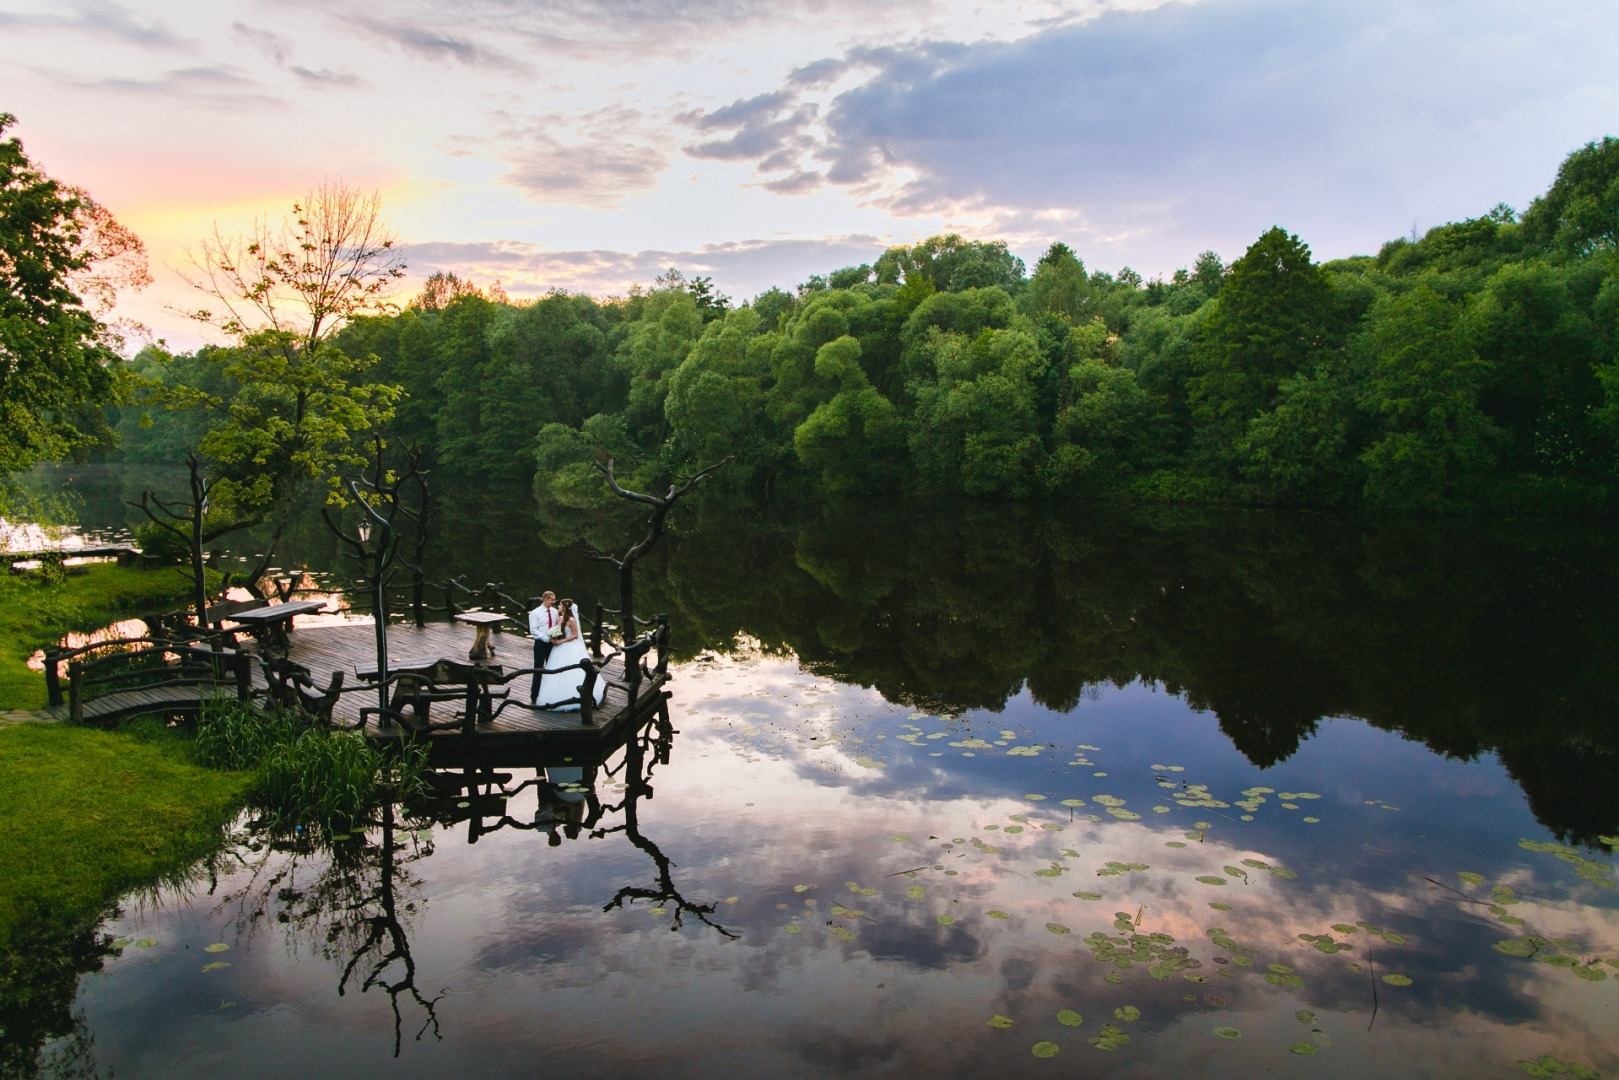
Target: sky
587,145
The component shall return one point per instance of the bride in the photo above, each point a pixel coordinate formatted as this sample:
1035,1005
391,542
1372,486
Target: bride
569,649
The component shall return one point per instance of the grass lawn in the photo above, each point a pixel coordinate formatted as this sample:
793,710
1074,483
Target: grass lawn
33,615
86,815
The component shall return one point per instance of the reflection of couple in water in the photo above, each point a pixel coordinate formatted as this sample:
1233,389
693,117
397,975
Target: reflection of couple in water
560,806
558,646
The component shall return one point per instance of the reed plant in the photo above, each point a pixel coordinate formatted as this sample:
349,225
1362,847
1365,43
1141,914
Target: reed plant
306,774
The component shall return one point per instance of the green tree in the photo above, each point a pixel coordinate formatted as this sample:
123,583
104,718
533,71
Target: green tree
1272,315
62,259
853,440
297,409
1060,285
976,426
1580,213
1435,445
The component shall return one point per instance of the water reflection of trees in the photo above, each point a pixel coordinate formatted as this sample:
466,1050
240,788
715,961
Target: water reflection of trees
1468,636
355,899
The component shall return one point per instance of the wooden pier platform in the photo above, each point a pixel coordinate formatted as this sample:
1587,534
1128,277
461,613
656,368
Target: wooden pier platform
550,737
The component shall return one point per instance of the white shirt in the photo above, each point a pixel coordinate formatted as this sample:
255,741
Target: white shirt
540,622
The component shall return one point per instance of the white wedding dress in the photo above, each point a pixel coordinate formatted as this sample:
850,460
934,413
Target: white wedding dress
565,684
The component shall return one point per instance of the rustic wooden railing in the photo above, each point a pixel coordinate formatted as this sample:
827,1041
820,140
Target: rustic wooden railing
131,666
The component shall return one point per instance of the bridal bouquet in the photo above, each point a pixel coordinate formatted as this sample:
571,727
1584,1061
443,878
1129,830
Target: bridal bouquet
555,632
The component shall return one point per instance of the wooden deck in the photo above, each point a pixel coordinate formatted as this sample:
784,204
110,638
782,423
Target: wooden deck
351,649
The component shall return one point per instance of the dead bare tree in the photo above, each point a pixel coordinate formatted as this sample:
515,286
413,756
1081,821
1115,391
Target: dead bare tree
661,505
189,521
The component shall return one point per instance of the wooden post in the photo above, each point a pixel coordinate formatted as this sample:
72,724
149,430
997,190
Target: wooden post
75,692
416,585
596,632
449,600
632,672
53,678
244,677
663,644
469,722
587,695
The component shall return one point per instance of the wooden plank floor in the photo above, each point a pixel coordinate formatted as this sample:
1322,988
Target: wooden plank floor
149,699
351,649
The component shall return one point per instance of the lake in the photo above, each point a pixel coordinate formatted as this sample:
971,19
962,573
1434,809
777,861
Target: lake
965,791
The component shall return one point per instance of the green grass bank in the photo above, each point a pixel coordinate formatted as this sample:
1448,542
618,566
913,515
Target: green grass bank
87,815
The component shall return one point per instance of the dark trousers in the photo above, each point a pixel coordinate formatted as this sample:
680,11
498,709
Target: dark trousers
542,653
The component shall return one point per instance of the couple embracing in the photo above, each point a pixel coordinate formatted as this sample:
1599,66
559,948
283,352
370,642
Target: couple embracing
558,644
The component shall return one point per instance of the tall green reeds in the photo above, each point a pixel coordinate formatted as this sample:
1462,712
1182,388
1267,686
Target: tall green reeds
306,774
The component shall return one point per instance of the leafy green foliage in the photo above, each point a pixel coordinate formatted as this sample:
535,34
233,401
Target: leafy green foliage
305,775
1474,367
58,362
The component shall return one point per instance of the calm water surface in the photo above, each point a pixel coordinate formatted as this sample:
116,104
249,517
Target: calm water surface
978,797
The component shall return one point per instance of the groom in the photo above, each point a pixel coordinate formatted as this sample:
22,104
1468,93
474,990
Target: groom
541,621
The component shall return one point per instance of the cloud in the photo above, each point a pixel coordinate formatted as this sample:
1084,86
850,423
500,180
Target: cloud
205,85
325,78
742,269
1200,125
433,44
99,19
762,128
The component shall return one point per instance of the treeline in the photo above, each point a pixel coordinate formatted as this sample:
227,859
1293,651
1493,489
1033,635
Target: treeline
1472,367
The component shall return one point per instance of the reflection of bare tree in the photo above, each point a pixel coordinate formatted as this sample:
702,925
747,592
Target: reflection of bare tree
353,909
646,748
637,780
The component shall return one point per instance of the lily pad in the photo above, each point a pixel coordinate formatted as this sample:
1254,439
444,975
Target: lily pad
1057,928
1304,1048
802,888
1127,1012
1305,1016
992,913
217,946
1035,798
1073,802
216,965
915,892
1109,1038
1044,1050
794,928
1210,879
145,943
1069,1018
1228,1033
900,837
1470,878
1087,896
1217,906
946,920
1397,980
999,1021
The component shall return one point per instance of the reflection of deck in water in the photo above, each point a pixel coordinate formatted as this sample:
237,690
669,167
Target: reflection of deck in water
351,649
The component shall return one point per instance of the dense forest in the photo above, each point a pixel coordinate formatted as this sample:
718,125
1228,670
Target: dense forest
1476,366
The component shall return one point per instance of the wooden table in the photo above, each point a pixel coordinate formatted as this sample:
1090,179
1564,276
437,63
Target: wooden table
270,624
482,650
